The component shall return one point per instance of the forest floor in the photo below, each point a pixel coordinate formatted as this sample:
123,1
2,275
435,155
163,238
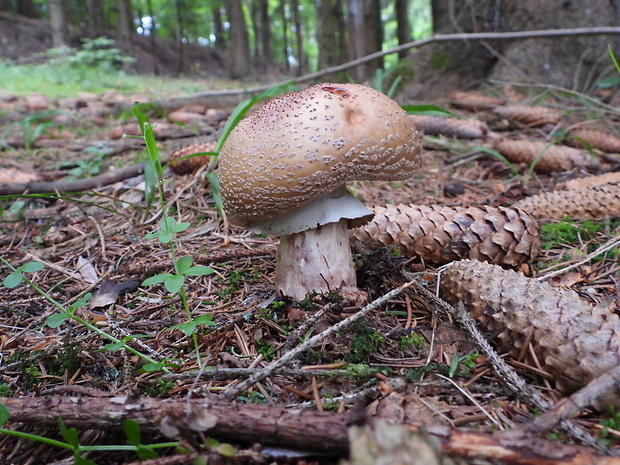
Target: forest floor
408,362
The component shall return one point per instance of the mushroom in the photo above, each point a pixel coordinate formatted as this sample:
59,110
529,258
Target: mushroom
283,171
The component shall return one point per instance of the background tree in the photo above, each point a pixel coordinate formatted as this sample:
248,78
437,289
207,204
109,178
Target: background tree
59,23
365,35
240,61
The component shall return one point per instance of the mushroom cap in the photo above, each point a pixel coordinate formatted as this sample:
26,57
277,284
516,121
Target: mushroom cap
304,145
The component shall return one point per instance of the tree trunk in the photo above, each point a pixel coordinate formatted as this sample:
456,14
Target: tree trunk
59,23
178,13
239,41
27,8
282,11
124,27
298,37
403,28
365,35
218,28
95,13
330,32
572,62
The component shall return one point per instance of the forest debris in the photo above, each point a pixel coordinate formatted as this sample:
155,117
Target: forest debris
439,234
309,430
8,175
532,115
450,127
601,140
193,164
586,202
109,291
475,101
573,340
591,181
548,157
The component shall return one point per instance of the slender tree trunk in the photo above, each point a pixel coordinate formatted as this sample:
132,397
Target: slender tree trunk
59,23
27,8
125,29
285,47
403,28
151,13
180,38
95,12
218,28
239,41
329,33
365,35
265,26
299,40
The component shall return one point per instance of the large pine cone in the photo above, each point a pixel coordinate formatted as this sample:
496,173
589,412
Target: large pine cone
439,234
597,139
550,158
529,114
192,164
587,202
575,341
450,127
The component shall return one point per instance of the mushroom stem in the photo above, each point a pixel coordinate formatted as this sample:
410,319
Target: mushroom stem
315,260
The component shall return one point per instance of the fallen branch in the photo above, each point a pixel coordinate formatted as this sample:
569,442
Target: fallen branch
49,187
322,432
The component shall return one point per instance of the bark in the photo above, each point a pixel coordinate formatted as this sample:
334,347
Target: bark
239,41
124,27
572,62
321,432
59,23
218,28
365,35
96,16
329,33
179,35
403,28
26,8
299,42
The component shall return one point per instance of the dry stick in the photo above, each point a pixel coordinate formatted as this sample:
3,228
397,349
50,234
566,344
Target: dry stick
50,187
593,393
401,48
287,357
512,379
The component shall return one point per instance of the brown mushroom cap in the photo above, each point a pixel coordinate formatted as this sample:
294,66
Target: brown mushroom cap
304,145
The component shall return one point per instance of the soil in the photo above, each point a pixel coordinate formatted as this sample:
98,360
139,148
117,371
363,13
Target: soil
408,361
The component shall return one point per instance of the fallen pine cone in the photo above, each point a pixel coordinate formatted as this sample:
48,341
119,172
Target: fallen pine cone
573,340
192,164
450,127
600,140
549,157
475,101
591,181
439,234
587,202
529,114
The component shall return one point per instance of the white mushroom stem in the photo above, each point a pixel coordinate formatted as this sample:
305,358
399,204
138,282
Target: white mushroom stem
315,260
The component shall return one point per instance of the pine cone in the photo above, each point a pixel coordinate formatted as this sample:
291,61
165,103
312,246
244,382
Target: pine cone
475,101
574,341
450,127
587,202
529,114
597,139
193,164
440,234
591,181
550,157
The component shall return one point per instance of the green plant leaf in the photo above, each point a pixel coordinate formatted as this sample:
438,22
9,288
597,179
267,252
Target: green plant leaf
145,452
132,431
56,319
158,278
151,367
4,414
165,237
199,270
226,450
186,328
12,280
152,235
182,226
31,267
206,320
79,460
429,110
114,346
183,264
174,283
70,435
83,302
